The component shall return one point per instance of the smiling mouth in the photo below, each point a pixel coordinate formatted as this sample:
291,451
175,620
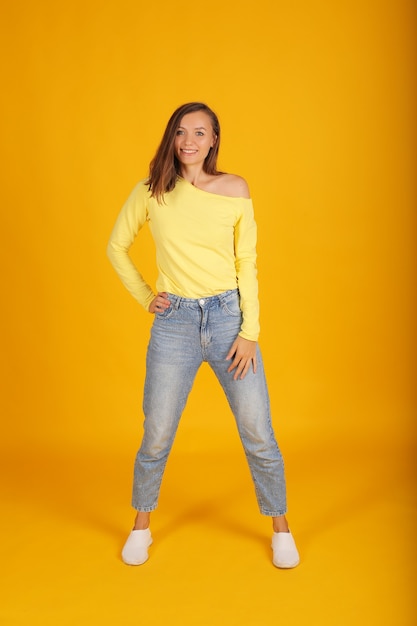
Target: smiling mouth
184,151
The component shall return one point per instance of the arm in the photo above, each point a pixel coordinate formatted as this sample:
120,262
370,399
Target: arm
245,235
130,220
243,350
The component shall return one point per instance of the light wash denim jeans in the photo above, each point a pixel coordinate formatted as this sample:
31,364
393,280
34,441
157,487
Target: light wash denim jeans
186,334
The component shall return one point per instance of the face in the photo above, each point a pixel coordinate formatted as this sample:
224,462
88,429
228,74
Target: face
194,138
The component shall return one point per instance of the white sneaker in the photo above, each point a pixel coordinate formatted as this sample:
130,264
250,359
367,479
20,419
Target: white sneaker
135,550
284,550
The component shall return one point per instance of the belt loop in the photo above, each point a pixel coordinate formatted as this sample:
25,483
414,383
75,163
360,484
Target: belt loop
175,301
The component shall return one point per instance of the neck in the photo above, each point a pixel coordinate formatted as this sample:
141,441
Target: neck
194,175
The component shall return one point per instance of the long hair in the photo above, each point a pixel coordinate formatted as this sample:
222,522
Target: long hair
165,168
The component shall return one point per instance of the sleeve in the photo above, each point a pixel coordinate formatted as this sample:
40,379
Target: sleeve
246,271
131,218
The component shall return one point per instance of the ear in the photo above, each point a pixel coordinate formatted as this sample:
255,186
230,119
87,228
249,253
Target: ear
213,142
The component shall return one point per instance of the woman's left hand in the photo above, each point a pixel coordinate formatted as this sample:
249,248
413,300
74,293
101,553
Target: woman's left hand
243,353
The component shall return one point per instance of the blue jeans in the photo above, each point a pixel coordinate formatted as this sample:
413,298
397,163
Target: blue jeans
186,334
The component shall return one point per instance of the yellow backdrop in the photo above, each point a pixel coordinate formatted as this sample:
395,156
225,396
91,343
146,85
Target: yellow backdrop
316,101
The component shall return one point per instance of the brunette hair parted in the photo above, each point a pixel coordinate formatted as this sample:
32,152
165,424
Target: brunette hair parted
165,168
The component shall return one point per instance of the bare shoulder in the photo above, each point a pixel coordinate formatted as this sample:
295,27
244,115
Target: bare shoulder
232,185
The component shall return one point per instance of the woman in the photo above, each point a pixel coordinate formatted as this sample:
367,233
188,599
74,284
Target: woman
206,309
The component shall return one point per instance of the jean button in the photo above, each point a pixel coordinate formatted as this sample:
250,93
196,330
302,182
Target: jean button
201,301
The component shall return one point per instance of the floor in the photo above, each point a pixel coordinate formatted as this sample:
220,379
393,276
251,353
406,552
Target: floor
66,514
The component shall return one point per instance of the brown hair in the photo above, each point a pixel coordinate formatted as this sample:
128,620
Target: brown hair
165,168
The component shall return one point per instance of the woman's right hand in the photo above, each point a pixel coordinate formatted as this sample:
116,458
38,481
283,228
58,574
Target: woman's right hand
160,303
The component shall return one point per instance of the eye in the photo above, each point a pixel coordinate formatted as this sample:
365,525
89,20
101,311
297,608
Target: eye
199,133
180,132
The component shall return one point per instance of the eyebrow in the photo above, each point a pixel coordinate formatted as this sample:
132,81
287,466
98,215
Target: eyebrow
196,128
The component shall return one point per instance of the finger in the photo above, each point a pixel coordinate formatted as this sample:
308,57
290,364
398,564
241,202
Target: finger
231,352
236,359
162,300
229,356
240,368
246,369
159,303
234,364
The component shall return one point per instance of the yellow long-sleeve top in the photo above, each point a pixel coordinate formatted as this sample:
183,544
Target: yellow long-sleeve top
205,244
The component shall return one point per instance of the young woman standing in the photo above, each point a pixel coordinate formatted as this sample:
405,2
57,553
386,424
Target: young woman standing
206,309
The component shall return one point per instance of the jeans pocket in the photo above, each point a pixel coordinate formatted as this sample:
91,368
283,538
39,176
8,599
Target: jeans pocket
169,312
232,307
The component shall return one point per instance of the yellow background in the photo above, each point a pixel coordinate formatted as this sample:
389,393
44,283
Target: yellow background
317,103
